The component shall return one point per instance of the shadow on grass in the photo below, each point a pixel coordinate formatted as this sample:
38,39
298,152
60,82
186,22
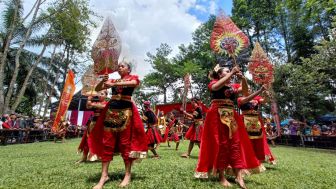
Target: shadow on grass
115,176
271,168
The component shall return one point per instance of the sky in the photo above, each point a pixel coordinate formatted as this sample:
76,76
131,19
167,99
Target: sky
144,24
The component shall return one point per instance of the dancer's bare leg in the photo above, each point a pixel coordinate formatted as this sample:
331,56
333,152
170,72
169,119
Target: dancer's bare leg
127,178
104,176
190,147
223,181
239,178
177,145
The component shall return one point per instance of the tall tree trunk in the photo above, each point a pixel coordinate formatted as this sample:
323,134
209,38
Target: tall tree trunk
17,57
284,33
44,87
164,95
25,83
3,57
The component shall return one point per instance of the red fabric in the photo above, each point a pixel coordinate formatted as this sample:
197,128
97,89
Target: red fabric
217,149
174,137
137,138
5,125
114,142
84,146
170,124
74,117
153,136
192,134
86,117
267,150
247,150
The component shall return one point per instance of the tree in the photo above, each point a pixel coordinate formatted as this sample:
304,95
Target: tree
164,74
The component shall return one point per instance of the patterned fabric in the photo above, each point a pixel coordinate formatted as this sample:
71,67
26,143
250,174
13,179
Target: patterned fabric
106,49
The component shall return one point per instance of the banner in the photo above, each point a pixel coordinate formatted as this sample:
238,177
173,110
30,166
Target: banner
68,92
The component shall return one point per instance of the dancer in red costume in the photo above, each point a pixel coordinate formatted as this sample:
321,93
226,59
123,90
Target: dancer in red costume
194,132
97,107
254,124
222,137
171,131
119,127
153,133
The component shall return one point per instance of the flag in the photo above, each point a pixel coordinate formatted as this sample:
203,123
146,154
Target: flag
68,92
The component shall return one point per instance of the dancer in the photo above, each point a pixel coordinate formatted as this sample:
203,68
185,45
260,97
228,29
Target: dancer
220,146
153,134
194,132
171,131
250,105
162,123
61,133
96,106
119,128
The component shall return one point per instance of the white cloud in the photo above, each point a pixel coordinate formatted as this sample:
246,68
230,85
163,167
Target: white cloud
143,25
212,7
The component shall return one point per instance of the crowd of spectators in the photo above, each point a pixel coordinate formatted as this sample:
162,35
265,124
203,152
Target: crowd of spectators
15,128
298,133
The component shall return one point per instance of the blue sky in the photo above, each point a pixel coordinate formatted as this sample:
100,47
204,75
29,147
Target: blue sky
203,15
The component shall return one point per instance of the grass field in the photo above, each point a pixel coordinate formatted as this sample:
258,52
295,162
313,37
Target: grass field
49,165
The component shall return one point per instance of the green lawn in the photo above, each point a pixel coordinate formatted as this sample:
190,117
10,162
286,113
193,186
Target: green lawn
49,165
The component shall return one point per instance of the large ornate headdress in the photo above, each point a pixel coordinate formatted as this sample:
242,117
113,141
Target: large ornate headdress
260,66
106,49
226,37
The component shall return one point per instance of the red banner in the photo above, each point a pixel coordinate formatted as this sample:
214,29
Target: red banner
68,92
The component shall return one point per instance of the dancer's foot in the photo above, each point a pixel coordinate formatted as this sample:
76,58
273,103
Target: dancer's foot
126,181
225,183
185,155
80,161
101,182
156,157
241,183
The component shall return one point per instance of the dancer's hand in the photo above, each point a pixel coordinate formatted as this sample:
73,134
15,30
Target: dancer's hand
105,78
109,84
240,75
235,70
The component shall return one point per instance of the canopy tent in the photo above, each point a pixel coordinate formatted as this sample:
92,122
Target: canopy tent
327,118
285,122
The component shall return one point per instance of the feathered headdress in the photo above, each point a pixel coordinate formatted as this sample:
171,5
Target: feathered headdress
260,66
106,49
226,37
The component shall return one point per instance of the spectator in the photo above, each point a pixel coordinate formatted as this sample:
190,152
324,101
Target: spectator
316,131
333,131
13,122
286,130
293,132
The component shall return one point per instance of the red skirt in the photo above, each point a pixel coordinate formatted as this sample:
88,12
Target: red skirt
106,143
174,137
194,133
218,150
261,147
153,135
269,157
